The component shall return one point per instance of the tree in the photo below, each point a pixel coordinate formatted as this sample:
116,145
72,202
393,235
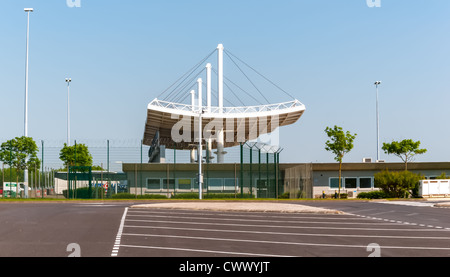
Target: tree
77,154
405,150
20,153
341,143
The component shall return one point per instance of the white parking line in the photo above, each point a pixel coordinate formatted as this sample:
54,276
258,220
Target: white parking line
167,228
401,222
202,251
408,203
116,246
283,233
292,227
246,215
261,220
288,243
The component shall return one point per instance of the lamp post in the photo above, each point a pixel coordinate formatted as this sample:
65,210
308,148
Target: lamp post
200,149
68,81
377,83
28,11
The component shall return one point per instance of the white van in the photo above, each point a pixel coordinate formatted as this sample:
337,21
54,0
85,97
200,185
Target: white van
11,188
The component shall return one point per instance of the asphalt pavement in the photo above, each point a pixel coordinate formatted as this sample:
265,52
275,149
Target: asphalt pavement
225,229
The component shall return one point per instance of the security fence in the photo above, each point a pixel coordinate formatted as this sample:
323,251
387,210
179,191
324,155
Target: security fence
259,170
50,177
254,173
250,170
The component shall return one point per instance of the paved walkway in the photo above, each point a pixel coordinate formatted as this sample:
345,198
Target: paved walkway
239,207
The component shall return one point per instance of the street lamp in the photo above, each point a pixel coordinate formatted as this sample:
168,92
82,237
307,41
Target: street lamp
68,80
200,149
377,83
28,11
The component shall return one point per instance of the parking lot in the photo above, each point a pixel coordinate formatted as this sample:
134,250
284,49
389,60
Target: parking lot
118,229
188,233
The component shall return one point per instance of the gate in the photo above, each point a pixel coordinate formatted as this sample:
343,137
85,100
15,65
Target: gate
79,182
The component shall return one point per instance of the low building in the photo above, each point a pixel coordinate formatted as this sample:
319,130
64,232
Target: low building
264,180
316,178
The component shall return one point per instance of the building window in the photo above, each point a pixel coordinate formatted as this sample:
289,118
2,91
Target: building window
171,184
154,184
334,183
350,183
231,183
365,182
215,184
184,184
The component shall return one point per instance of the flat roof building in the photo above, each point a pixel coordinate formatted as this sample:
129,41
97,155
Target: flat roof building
268,180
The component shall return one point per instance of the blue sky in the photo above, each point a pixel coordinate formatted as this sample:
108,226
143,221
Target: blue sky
326,53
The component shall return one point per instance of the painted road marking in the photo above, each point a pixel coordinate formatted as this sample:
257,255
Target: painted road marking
403,222
116,246
271,226
258,220
288,243
163,227
202,251
246,215
408,203
283,233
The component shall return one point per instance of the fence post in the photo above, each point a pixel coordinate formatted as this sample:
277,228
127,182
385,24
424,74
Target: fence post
140,168
42,168
242,170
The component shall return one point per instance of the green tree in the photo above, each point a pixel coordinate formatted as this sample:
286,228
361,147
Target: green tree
340,143
21,154
77,154
406,150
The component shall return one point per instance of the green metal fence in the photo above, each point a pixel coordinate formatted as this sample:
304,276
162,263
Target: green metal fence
250,170
259,170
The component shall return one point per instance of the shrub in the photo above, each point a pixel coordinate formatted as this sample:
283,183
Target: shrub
194,195
126,195
398,184
376,194
443,176
83,193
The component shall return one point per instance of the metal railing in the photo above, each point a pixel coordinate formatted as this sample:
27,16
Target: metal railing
228,110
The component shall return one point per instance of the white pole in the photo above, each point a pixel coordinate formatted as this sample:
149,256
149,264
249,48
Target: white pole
377,83
208,101
220,134
193,100
68,80
208,87
220,76
200,150
28,10
193,109
200,95
68,113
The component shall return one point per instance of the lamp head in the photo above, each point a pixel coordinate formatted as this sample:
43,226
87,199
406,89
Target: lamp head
28,10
